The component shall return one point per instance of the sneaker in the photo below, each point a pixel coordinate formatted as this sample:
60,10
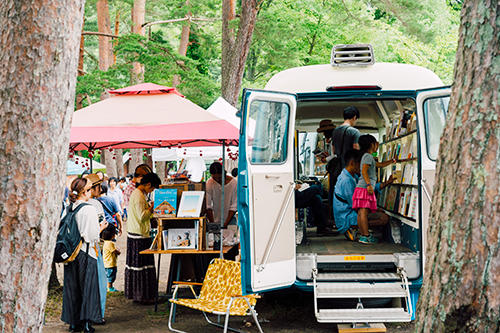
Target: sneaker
112,290
350,234
368,239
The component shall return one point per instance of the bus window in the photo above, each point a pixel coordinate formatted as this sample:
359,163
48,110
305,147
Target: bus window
267,139
435,119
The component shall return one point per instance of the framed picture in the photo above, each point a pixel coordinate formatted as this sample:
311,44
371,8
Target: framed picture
190,205
165,239
179,239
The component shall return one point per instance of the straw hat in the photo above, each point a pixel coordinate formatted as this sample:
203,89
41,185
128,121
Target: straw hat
94,179
325,125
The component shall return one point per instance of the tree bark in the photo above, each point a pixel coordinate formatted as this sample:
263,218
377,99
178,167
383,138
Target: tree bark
160,170
184,43
105,61
235,47
137,155
38,67
138,15
104,26
461,290
79,98
110,163
119,162
137,74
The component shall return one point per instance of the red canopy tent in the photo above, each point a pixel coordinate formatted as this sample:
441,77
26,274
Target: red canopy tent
147,116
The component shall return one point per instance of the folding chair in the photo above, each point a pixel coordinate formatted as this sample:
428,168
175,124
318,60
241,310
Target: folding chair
220,294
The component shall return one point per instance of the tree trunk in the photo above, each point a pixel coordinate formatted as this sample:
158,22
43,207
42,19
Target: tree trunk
137,75
160,170
137,155
235,48
138,14
105,61
461,291
183,45
79,98
38,67
110,163
119,163
104,25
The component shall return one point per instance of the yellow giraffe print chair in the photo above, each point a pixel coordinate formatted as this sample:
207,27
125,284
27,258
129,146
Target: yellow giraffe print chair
220,294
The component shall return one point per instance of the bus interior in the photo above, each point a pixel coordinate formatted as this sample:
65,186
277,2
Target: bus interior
401,237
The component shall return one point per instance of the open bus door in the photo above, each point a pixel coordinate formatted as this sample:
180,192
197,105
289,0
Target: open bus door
266,205
432,108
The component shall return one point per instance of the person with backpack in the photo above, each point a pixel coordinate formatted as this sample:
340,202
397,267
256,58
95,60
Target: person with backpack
81,299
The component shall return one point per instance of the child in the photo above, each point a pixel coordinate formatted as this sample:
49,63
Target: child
364,196
110,252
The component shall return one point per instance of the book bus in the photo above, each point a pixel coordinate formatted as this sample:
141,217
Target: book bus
404,107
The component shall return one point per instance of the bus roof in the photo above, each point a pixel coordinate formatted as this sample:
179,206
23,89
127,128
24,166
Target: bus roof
388,76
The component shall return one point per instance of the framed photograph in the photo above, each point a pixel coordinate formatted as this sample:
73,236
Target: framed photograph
165,239
179,239
190,205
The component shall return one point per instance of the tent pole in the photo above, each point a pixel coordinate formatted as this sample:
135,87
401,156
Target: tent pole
91,159
223,183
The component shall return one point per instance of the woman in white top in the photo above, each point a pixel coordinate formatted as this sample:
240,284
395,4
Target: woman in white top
81,300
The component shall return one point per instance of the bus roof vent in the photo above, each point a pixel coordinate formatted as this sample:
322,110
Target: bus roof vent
352,55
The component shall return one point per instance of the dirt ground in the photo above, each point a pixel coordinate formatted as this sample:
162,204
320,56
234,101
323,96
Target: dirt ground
284,311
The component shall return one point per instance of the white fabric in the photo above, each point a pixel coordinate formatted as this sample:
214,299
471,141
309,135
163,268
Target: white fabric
195,167
141,110
117,196
223,110
88,225
214,195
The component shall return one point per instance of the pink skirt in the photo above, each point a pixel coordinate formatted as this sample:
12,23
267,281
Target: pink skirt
361,199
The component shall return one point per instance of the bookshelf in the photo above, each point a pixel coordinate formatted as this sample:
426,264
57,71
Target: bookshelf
406,220
399,137
400,199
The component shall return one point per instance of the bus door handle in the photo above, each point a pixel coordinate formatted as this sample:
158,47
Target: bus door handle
272,177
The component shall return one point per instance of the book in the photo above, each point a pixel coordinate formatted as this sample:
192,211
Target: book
413,204
165,203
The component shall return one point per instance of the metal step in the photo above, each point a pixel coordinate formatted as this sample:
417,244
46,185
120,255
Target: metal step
375,315
359,290
365,276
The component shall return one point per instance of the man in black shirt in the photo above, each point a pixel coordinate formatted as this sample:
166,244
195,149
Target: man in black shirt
345,137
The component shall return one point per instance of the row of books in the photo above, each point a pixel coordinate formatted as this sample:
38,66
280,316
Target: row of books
406,122
401,150
404,173
400,199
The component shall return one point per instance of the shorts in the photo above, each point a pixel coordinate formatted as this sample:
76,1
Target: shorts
111,274
362,199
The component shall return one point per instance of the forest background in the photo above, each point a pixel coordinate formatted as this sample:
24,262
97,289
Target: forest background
288,33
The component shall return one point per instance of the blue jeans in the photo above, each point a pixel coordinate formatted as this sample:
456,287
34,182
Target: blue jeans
111,274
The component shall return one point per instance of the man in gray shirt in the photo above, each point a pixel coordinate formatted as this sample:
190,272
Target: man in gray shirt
345,137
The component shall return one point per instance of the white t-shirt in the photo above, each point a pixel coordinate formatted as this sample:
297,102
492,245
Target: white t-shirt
214,195
88,225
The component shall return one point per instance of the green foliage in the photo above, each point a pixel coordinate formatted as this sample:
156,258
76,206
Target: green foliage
288,33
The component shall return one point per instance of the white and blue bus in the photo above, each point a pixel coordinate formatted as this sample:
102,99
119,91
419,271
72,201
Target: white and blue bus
278,133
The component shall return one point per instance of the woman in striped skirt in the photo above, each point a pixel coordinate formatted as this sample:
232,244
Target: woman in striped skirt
140,275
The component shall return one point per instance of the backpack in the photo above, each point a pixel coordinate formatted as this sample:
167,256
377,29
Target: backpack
69,239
